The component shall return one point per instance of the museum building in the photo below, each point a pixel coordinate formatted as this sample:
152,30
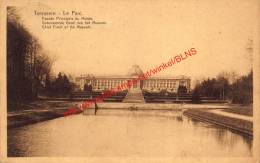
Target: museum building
100,83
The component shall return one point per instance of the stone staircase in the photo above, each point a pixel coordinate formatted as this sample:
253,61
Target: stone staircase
134,96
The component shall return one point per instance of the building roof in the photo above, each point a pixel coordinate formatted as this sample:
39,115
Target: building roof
135,71
130,77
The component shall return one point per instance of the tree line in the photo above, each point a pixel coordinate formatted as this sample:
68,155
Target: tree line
226,86
27,62
29,66
60,86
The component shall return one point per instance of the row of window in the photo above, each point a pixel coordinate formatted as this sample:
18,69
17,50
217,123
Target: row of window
149,83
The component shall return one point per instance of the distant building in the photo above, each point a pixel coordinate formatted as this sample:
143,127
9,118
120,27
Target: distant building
100,83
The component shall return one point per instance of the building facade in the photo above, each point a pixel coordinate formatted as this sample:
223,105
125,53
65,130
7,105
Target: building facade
100,83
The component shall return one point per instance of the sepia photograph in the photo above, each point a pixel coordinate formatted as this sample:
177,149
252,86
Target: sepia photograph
130,79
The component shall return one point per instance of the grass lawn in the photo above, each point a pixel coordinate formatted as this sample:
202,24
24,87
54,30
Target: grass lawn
233,123
38,111
243,110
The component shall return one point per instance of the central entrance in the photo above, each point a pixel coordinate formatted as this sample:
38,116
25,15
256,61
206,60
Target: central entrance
136,85
135,95
135,72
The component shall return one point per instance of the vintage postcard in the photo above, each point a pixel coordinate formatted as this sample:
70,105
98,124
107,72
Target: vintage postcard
129,81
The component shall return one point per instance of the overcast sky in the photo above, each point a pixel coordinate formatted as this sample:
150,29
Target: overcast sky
148,33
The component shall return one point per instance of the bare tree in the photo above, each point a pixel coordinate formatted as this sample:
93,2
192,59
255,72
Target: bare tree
27,63
43,65
231,76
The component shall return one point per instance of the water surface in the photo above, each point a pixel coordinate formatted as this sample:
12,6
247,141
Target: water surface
115,133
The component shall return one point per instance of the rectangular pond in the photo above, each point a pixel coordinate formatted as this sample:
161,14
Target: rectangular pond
125,133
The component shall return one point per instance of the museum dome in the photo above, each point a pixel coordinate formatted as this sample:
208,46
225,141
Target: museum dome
135,71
